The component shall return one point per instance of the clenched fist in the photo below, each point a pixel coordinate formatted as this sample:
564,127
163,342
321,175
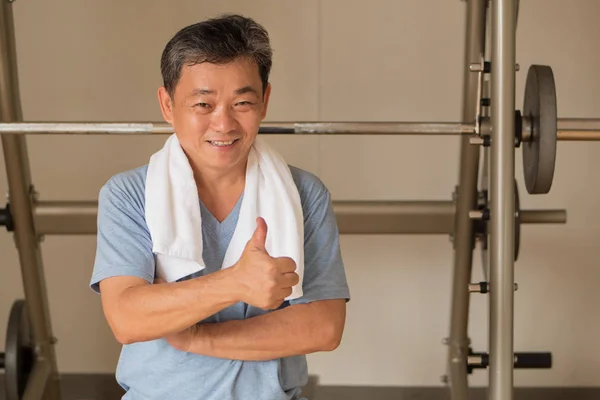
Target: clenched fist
265,281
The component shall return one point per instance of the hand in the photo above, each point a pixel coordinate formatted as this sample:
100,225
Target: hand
265,281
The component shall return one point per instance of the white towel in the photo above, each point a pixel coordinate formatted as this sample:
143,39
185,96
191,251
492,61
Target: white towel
172,211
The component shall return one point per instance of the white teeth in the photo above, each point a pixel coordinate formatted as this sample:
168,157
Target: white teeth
216,143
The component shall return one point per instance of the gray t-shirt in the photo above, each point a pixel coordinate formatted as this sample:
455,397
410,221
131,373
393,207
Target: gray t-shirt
154,369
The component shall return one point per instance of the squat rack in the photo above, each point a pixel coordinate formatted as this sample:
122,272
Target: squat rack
30,360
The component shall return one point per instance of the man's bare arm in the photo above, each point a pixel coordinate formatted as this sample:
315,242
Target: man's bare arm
138,311
294,330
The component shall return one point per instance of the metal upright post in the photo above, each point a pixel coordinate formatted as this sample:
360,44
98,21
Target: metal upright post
466,200
44,378
502,173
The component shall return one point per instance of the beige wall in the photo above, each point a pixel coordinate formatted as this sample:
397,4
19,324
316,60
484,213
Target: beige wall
334,60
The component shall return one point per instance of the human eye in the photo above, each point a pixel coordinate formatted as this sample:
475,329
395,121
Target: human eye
244,105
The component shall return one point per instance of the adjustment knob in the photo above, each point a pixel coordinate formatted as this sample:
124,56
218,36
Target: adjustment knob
6,218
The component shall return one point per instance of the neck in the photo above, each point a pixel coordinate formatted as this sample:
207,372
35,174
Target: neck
214,182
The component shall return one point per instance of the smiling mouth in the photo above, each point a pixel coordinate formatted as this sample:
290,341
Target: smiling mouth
222,143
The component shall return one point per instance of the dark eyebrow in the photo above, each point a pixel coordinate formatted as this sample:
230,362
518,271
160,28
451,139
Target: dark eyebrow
246,89
199,92
242,90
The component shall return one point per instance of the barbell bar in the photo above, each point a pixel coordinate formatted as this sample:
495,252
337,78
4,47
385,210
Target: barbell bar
353,217
569,129
537,128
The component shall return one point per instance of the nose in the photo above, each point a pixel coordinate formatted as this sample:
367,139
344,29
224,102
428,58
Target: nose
222,120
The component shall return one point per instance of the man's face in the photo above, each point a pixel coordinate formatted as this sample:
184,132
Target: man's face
216,111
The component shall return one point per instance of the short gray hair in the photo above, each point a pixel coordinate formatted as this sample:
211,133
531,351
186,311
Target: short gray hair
218,40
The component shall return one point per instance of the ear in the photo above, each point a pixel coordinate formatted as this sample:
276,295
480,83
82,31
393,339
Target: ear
266,100
166,104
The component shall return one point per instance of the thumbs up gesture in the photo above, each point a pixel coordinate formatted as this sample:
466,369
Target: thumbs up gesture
265,281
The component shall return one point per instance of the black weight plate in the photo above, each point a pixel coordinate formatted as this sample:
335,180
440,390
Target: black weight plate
517,222
18,353
485,231
539,152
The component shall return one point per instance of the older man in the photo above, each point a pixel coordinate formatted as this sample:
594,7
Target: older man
221,332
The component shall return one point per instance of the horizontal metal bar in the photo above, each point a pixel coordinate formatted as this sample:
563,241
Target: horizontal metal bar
568,128
578,135
394,217
308,128
578,129
353,217
66,217
383,128
543,216
86,128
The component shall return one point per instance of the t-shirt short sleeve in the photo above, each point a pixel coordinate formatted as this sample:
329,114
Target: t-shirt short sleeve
124,245
324,274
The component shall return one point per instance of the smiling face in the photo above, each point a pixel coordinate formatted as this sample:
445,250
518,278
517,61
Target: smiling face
216,111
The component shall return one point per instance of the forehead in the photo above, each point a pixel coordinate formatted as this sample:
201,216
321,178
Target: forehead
220,77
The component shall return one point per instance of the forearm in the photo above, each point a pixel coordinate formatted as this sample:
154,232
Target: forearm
294,330
148,312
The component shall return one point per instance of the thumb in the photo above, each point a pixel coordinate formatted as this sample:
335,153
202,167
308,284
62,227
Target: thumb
260,235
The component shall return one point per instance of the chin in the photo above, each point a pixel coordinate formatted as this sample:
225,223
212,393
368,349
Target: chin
227,162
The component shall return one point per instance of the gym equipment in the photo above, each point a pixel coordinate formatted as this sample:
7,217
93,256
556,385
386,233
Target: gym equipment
521,360
17,360
539,149
493,215
482,216
538,130
568,128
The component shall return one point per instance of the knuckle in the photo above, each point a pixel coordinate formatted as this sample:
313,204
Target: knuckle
271,265
271,283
